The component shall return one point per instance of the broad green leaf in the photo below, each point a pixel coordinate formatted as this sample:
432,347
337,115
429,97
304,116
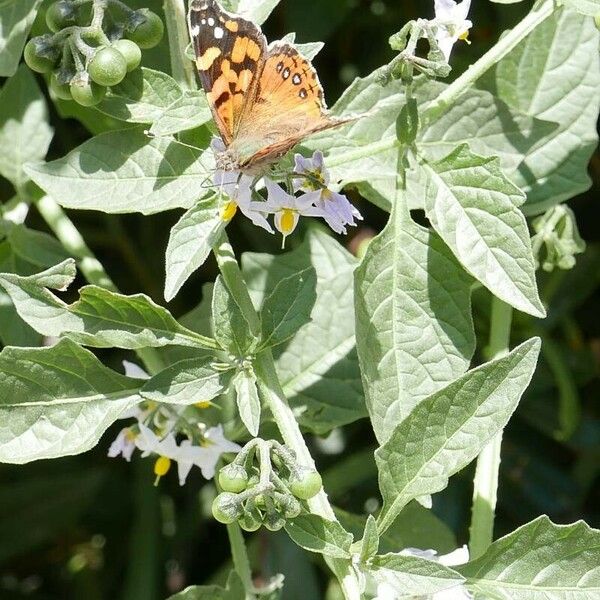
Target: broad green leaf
125,171
413,576
539,561
16,18
554,75
188,112
100,318
35,247
190,243
256,11
248,401
413,525
57,401
413,319
318,367
187,382
316,534
447,431
585,7
474,208
234,591
230,328
288,307
24,131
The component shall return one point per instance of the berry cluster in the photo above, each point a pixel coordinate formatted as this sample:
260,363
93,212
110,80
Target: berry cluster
93,45
264,486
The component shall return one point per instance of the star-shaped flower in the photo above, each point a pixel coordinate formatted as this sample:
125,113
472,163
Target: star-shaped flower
452,24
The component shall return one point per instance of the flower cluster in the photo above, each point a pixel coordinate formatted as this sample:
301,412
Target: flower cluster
155,434
310,180
451,24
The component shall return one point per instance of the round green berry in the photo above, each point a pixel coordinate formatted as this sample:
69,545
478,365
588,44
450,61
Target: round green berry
249,522
60,86
131,51
305,484
233,478
61,14
86,92
145,28
108,67
226,508
39,55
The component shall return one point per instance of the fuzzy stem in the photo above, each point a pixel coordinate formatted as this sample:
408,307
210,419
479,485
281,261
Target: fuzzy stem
485,484
240,558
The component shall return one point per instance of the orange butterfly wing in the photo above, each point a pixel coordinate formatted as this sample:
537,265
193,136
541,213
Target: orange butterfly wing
229,58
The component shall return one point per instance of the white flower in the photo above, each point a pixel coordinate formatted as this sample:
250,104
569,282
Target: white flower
215,444
288,209
124,445
452,24
238,188
336,208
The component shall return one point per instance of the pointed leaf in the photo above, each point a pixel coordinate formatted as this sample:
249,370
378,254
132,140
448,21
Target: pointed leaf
370,541
16,18
447,431
316,534
248,401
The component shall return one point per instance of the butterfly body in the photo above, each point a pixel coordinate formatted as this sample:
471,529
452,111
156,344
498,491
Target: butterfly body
264,98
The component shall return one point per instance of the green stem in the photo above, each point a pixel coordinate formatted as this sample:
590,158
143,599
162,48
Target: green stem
90,266
461,85
240,558
182,69
272,392
485,484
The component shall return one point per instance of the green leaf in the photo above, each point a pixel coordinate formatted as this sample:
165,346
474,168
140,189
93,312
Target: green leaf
369,544
188,112
288,307
187,382
248,401
125,171
235,591
57,401
539,561
413,575
447,431
100,318
554,75
474,208
24,131
16,18
190,243
35,247
230,328
318,368
585,7
256,11
413,319
316,534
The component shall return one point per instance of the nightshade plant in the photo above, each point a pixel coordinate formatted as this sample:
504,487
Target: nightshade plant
313,339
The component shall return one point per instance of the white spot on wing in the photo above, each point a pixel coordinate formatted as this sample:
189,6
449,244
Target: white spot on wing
211,21
195,29
219,33
203,21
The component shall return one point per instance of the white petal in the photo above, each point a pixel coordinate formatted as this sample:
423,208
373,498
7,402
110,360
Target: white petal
444,9
460,556
134,371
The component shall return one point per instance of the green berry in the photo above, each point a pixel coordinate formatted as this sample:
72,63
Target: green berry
108,67
131,51
305,484
145,28
226,508
274,522
290,507
86,92
40,55
249,523
61,14
233,478
60,87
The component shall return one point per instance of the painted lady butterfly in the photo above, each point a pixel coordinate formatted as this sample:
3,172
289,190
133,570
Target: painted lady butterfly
264,99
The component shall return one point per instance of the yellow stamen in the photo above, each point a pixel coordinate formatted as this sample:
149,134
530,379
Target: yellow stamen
130,435
161,468
228,211
465,37
287,221
326,194
203,404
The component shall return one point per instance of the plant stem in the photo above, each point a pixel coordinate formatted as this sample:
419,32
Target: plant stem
182,69
240,558
90,266
272,392
461,85
485,484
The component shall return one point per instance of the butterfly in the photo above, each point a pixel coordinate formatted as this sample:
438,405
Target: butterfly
264,99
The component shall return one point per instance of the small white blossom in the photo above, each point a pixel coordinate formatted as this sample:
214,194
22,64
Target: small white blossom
215,444
124,445
451,23
336,208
